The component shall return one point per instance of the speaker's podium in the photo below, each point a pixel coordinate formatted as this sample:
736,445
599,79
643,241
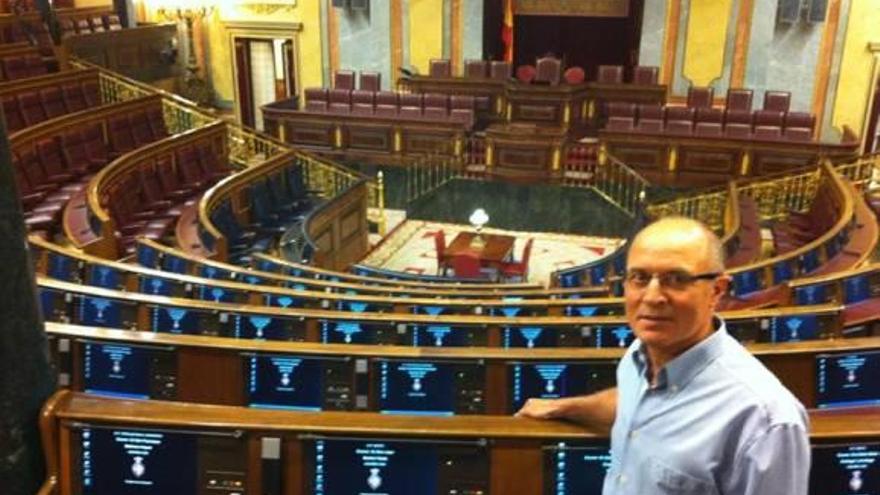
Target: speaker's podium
525,152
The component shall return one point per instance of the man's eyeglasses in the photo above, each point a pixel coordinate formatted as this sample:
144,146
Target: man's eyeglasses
674,280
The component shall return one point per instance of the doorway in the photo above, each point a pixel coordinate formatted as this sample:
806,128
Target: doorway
265,71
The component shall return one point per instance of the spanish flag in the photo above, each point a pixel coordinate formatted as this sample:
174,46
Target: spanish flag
507,30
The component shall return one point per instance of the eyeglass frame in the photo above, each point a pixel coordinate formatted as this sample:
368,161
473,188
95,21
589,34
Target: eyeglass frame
690,279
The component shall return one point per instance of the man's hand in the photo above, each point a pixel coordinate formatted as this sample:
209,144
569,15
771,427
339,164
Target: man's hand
542,409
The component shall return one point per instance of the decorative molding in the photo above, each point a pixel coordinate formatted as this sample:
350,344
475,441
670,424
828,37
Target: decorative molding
455,49
741,45
333,38
396,21
265,26
268,8
825,61
670,43
589,8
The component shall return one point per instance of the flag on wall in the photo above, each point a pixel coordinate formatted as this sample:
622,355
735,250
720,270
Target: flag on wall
507,30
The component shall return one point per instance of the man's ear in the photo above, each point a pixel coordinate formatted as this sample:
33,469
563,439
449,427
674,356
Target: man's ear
720,286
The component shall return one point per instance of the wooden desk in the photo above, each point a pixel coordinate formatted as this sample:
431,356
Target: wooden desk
525,152
497,249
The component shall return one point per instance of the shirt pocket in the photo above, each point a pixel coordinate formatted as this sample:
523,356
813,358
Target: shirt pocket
668,480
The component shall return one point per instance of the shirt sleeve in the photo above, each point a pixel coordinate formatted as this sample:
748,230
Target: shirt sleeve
777,462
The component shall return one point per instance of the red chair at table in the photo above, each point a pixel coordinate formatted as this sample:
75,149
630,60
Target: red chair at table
520,268
440,246
466,265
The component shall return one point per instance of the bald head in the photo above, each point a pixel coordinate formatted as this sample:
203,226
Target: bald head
683,231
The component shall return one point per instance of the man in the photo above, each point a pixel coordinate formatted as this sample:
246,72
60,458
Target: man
693,411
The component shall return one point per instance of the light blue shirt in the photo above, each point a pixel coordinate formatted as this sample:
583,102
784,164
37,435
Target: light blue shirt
718,422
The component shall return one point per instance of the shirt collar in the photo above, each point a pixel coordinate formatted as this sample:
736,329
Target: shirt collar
681,370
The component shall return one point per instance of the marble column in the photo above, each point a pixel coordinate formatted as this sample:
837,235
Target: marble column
25,377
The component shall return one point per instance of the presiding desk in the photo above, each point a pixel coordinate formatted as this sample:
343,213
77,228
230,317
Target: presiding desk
525,152
496,250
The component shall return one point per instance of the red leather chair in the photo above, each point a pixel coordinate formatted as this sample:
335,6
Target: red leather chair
679,127
113,23
31,108
140,129
738,130
440,67
804,120
620,124
684,114
610,74
768,118
92,93
651,111
709,129
96,148
768,132
734,116
97,23
621,109
526,73
411,100
462,115
466,265
798,134
574,75
518,269
156,120
440,248
436,100
715,115
35,66
475,68
317,94
14,68
82,26
12,112
465,102
121,138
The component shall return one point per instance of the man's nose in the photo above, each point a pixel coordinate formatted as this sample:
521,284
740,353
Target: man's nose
653,292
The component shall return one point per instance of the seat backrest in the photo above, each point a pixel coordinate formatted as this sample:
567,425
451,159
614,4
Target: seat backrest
435,113
119,132
739,99
798,134
574,75
92,93
369,81
679,113
410,112
316,94
93,140
466,265
140,128
624,124
74,149
340,95
344,79
462,115
650,111
548,70
12,112
621,109
440,67
476,68
14,67
738,117
51,157
499,70
709,114
526,73
610,74
53,103
700,97
413,100
387,98
768,117
74,98
685,127
708,129
777,100
645,75
316,106
362,96
35,65
31,108
767,132
436,100
461,101
157,123
737,130
800,120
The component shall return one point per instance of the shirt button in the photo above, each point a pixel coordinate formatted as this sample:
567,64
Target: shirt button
634,433
621,479
674,388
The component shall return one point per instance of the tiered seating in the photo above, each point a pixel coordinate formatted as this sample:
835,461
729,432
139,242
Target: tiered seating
142,194
737,120
407,106
30,101
26,63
